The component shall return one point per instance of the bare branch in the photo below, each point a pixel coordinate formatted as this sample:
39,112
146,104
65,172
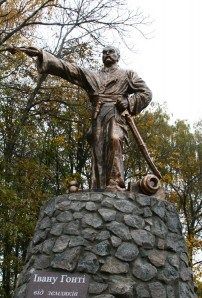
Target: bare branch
197,263
24,23
2,1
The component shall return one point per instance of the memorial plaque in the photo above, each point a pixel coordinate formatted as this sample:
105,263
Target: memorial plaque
48,284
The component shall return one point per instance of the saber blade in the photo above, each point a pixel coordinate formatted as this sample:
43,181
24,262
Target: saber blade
141,144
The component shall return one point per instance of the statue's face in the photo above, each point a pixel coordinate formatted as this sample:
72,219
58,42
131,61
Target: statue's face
110,56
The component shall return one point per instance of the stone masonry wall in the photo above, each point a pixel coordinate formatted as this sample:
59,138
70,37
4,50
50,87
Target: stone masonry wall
129,245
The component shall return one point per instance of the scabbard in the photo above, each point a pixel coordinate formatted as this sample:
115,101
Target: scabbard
141,144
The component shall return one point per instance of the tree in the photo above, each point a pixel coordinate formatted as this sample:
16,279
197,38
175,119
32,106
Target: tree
31,168
15,16
187,178
43,122
177,152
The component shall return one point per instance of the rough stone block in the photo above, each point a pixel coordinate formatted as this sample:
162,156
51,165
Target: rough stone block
116,241
142,291
120,230
66,260
65,216
168,274
114,266
157,257
107,214
72,228
124,206
61,243
130,245
88,263
93,220
157,290
57,229
159,209
91,206
143,270
134,221
97,288
103,235
143,238
121,287
127,251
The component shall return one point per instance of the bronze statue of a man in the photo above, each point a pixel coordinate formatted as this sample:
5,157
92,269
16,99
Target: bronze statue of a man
111,90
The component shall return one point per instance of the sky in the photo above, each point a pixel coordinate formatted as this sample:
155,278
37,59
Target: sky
170,60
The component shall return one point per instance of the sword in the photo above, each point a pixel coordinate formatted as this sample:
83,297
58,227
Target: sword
141,143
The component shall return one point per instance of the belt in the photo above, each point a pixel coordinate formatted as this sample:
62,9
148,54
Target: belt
107,97
104,98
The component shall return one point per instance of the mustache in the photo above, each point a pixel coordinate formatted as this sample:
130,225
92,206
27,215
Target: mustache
108,57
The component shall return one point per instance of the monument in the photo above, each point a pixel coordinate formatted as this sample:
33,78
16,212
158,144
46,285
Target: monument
109,91
109,241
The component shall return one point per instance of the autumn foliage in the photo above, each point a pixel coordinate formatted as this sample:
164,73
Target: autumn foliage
44,121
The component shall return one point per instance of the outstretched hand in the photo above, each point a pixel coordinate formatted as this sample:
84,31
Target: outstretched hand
30,51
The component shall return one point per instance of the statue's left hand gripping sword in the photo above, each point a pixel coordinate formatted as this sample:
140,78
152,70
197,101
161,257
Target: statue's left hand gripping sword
141,143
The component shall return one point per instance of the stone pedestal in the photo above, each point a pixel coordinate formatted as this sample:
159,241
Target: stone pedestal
130,245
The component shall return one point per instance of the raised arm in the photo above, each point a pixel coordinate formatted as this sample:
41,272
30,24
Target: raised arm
49,64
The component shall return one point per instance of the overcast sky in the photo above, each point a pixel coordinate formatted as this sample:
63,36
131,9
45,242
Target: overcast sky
171,61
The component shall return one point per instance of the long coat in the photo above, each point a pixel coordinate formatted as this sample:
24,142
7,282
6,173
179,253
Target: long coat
108,130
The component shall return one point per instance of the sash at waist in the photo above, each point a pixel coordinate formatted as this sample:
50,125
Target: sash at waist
101,99
107,97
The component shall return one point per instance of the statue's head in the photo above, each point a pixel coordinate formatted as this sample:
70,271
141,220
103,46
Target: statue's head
110,55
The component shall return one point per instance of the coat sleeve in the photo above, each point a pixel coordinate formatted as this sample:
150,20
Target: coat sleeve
50,64
140,94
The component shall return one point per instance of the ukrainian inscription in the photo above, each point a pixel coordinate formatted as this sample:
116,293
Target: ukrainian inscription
48,284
